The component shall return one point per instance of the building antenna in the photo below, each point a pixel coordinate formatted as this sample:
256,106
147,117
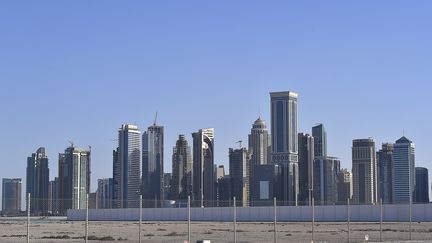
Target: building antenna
71,143
155,119
259,112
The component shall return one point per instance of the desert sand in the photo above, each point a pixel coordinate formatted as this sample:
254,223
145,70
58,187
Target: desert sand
61,230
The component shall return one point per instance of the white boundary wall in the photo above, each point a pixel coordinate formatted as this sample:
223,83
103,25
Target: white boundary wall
359,213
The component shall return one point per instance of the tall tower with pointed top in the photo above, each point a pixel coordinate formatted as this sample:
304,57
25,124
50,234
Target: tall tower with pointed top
37,181
403,171
259,145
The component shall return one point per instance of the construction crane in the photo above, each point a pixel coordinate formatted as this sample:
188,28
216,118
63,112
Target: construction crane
240,143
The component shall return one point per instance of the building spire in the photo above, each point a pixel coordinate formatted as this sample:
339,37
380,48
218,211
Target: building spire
155,119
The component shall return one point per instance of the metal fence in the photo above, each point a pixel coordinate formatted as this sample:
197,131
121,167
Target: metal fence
187,222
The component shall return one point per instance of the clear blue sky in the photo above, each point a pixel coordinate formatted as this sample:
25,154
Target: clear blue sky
77,70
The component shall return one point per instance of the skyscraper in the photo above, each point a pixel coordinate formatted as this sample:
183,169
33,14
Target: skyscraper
385,173
203,166
403,171
61,202
75,178
259,145
320,140
306,161
364,171
37,180
181,186
152,163
265,185
167,180
422,185
104,193
129,165
53,196
224,191
239,172
11,196
117,177
326,173
285,143
344,186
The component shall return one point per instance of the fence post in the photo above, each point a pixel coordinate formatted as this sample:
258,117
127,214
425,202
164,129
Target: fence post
410,218
313,219
140,217
381,218
86,222
189,219
235,220
28,217
275,220
348,218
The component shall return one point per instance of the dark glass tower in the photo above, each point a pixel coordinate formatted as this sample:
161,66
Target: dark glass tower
203,167
152,163
422,185
320,140
239,172
37,181
285,142
306,160
181,186
385,173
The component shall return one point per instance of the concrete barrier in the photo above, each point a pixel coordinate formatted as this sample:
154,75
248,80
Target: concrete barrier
338,213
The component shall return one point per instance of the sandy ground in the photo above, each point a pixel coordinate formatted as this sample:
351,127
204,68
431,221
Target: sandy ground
60,230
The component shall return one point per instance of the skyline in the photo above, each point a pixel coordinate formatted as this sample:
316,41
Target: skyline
366,76
226,166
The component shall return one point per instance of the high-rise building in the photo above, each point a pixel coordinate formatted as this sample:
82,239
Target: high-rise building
153,159
104,193
239,172
403,171
224,195
259,145
11,196
203,166
167,180
92,200
266,185
305,164
285,143
220,172
364,171
344,186
61,184
385,173
320,140
326,178
117,177
422,185
53,196
37,180
74,178
129,166
181,186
